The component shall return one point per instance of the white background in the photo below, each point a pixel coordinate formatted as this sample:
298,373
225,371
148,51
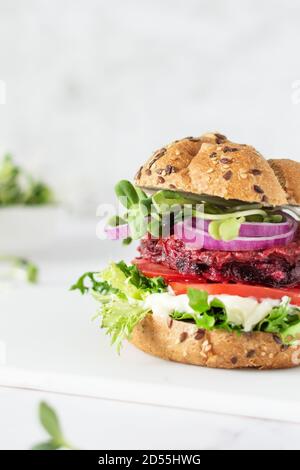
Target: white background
94,86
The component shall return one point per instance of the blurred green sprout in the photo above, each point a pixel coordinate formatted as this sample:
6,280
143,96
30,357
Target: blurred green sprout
51,424
18,187
23,266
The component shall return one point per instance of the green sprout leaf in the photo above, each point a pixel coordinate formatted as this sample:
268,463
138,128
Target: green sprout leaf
115,221
51,424
127,241
126,193
141,194
137,221
213,229
31,269
138,206
50,421
227,229
165,200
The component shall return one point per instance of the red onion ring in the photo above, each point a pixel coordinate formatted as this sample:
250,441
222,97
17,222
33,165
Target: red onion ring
261,229
197,239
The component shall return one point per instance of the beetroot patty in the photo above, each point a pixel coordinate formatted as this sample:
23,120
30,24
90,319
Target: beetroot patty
276,267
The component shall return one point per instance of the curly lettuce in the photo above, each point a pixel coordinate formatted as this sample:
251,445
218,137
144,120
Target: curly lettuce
119,317
120,290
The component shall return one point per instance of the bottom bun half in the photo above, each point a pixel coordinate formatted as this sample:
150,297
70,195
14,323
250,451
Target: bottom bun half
183,342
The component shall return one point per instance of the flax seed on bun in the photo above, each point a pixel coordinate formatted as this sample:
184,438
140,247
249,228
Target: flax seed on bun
183,342
213,165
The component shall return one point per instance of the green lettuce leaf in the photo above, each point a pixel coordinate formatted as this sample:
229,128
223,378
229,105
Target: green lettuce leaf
90,282
207,315
120,289
142,283
119,316
283,320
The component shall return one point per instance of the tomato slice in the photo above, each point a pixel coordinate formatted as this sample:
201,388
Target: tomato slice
243,290
181,282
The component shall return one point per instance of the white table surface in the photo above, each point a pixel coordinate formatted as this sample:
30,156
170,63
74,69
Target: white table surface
110,424
103,424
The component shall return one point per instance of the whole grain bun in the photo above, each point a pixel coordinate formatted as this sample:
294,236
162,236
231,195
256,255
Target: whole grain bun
288,174
183,342
214,166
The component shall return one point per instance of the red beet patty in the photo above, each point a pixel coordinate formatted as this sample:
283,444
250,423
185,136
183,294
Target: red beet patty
276,267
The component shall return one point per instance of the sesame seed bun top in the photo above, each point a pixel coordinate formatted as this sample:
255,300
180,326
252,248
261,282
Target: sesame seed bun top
214,166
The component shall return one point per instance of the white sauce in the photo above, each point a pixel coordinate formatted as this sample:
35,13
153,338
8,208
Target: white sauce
245,311
164,304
